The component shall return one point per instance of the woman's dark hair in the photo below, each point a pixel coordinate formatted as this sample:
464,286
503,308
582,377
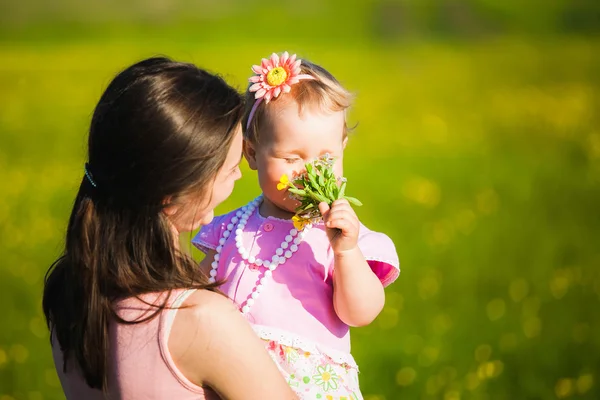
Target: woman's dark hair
161,130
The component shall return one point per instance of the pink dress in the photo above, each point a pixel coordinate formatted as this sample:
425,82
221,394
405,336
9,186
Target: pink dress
294,314
140,364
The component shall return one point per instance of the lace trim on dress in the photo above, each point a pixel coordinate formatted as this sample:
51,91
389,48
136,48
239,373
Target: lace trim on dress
289,339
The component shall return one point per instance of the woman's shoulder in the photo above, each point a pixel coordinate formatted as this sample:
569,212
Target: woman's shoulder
204,303
206,326
209,312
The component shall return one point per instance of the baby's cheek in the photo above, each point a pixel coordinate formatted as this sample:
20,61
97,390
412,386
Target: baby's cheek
338,169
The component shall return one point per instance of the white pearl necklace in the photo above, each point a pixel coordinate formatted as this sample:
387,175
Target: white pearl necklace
285,251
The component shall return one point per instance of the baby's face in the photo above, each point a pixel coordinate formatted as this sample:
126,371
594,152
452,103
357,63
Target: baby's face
290,140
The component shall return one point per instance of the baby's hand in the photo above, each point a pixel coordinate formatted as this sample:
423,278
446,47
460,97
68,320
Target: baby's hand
342,225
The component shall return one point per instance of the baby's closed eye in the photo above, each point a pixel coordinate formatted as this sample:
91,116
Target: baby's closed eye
292,160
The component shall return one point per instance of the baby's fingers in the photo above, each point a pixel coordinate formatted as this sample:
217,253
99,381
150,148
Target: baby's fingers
324,209
343,224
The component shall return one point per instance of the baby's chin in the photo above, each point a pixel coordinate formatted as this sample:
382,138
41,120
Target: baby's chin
285,206
204,220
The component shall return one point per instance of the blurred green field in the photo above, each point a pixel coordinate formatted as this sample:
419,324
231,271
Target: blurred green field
481,161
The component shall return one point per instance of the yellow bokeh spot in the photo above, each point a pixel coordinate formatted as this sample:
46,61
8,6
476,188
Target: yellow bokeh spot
498,368
581,332
395,300
430,284
490,369
564,388
388,318
51,378
428,356
435,129
593,146
508,341
471,381
531,307
413,344
559,284
19,353
446,376
432,386
38,327
532,327
452,395
483,353
496,309
439,233
465,221
441,323
518,289
487,202
277,76
35,396
406,376
422,191
584,383
3,357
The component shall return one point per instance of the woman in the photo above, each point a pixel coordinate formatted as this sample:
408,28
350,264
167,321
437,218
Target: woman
131,316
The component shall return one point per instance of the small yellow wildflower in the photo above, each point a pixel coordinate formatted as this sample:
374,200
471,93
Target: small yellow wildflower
283,182
299,222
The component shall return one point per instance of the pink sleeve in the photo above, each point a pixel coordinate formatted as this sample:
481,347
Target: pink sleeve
380,253
209,235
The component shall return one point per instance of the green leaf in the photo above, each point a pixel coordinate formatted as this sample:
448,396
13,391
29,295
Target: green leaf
328,193
320,198
354,201
342,190
321,181
307,207
299,192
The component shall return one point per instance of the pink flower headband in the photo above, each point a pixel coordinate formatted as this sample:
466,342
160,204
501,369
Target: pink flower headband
273,77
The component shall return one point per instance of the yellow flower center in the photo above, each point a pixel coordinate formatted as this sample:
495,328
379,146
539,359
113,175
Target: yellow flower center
326,376
276,76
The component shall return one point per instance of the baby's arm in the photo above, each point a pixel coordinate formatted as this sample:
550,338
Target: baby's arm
358,295
205,264
207,240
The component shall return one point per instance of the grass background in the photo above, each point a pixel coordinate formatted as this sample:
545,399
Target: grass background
477,152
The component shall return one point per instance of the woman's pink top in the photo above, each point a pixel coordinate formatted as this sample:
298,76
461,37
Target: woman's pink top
296,306
140,364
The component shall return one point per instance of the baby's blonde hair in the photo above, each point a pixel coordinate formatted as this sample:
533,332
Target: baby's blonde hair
324,91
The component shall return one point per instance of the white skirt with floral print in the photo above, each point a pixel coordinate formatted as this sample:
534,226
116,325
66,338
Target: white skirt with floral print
314,375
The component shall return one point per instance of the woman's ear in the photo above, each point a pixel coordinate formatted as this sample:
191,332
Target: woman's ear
169,208
250,154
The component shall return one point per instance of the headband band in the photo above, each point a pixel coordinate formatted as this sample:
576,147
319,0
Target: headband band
274,76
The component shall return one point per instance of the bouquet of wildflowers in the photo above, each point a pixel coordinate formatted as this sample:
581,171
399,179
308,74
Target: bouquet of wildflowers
318,184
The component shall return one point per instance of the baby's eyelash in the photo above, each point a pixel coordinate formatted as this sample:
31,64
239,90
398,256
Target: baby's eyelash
292,160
